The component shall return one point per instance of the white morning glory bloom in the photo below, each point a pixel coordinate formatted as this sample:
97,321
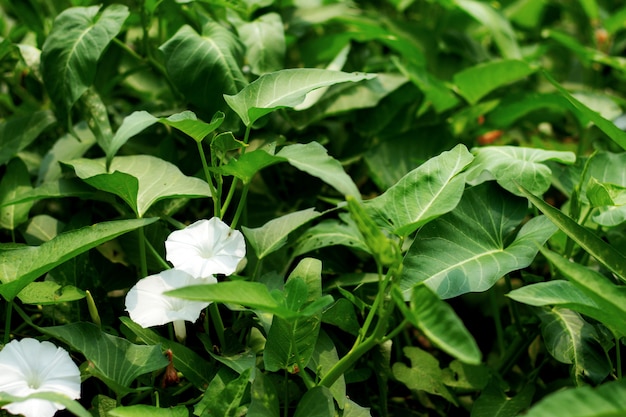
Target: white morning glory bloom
205,248
148,306
29,366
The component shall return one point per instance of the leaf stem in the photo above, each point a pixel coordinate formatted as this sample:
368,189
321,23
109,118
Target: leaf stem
216,318
7,323
209,180
157,255
143,263
233,184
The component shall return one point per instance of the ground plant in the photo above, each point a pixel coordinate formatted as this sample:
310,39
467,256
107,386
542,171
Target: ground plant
312,208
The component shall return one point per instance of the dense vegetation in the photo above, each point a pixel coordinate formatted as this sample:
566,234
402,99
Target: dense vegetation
385,208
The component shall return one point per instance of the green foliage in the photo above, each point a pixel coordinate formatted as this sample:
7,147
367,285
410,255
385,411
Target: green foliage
431,195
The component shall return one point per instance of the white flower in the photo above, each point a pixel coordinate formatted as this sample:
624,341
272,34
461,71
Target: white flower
29,366
147,306
205,248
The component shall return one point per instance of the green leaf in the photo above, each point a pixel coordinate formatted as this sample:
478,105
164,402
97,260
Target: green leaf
52,189
21,266
205,66
264,395
511,165
273,235
572,340
476,82
49,293
113,358
313,159
607,400
71,405
15,181
193,366
439,323
329,233
284,88
606,254
500,28
470,248
264,38
352,409
427,192
70,53
248,164
97,117
140,180
19,131
224,395
493,402
613,132
131,125
140,410
424,373
317,402
324,357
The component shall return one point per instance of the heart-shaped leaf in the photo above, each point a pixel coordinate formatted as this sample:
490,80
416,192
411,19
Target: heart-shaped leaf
284,88
467,250
264,38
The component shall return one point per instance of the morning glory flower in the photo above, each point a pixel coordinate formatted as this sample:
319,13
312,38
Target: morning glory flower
148,306
205,248
29,366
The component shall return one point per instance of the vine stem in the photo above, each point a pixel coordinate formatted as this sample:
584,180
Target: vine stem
143,263
233,185
7,323
207,174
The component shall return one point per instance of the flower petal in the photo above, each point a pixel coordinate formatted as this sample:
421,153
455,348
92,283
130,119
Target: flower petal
147,306
205,248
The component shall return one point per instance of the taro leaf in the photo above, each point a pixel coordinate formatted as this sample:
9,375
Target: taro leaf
193,367
609,128
15,181
439,323
330,233
70,53
21,266
510,165
141,410
140,180
500,28
273,235
424,373
224,395
317,402
566,294
290,342
610,298
323,359
476,82
606,400
470,248
264,402
427,192
205,66
493,402
606,254
48,293
19,131
284,88
572,340
249,294
264,38
313,159
71,405
114,359
517,106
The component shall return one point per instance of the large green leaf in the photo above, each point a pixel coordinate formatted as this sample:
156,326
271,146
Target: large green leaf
205,66
572,340
113,358
273,234
264,38
607,400
511,165
427,192
19,131
473,246
476,82
493,402
22,265
607,255
224,395
284,88
70,53
264,395
140,180
15,181
439,323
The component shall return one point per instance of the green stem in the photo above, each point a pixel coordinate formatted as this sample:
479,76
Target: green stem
216,318
618,357
233,185
209,180
240,206
143,263
157,256
498,320
7,323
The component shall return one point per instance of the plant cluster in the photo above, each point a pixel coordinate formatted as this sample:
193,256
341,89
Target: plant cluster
312,208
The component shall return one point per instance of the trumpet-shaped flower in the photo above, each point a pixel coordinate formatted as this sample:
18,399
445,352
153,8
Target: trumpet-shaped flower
205,248
148,306
29,366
